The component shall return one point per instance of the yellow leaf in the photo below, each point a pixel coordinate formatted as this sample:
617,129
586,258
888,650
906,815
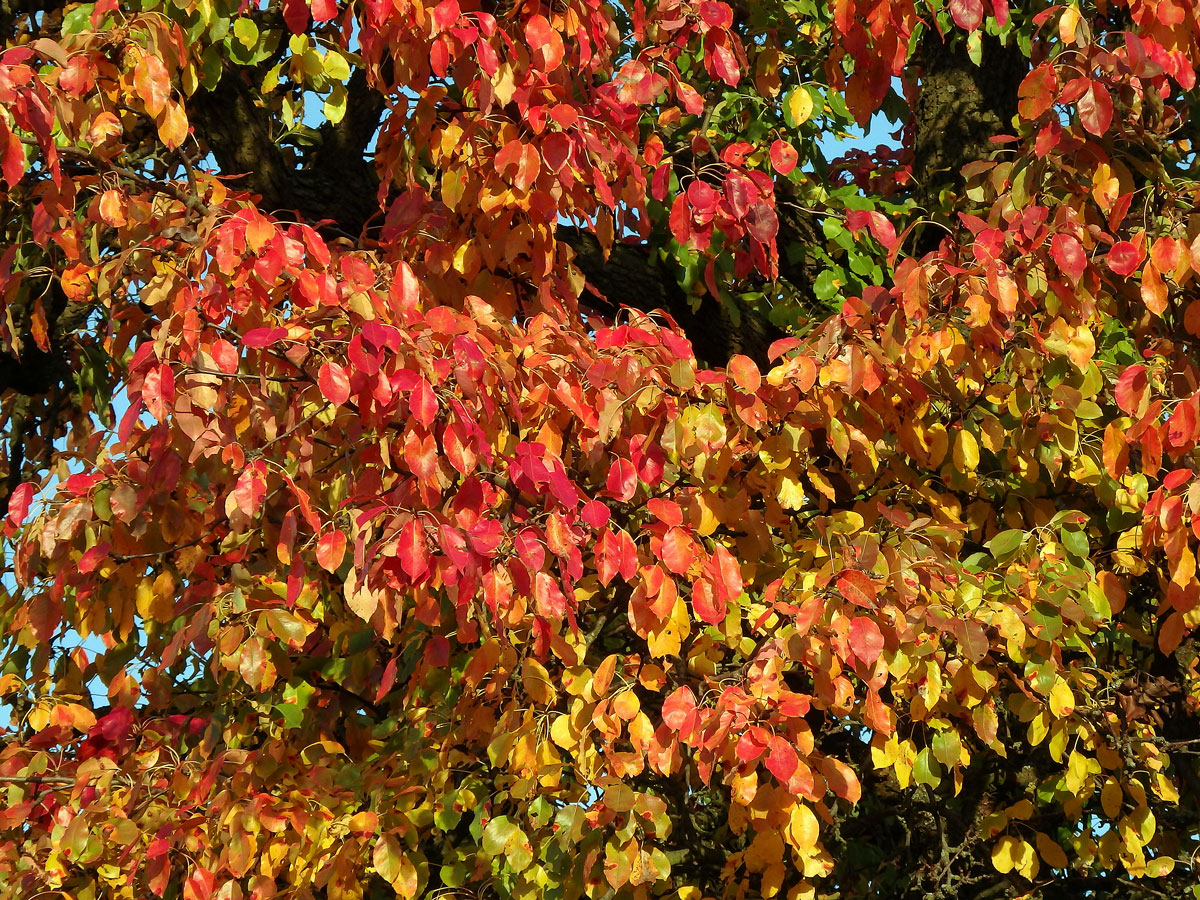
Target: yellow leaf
1143,820
172,124
155,600
1159,867
766,848
1062,701
772,879
937,440
706,509
365,822
562,733
1077,771
1164,787
1004,854
1051,852
668,640
39,717
1111,797
799,106
1011,853
803,829
626,705
1022,809
536,682
791,493
966,451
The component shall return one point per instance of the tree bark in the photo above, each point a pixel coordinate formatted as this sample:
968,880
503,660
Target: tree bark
961,108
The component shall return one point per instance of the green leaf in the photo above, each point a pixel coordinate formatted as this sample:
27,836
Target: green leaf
336,66
246,32
503,837
825,287
1006,543
78,19
926,769
335,104
1076,543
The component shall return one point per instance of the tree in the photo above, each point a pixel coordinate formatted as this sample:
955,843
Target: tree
473,447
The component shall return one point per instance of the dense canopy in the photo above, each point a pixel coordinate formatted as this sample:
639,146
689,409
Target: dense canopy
517,450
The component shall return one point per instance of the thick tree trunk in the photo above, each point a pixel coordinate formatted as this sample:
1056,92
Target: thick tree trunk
962,106
631,277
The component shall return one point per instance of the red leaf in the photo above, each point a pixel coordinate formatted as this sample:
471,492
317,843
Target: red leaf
445,14
637,84
608,558
331,549
741,193
615,555
723,64
158,391
1037,92
702,196
1178,478
762,223
545,42
595,514
1096,109
622,480
709,607
1165,253
716,15
257,338
295,15
412,551
1131,390
678,551
783,157
225,355
680,219
693,103
857,587
423,403
251,488
12,155
199,885
323,10
334,383
727,575
152,83
782,759
841,779
1068,254
1181,427
93,557
751,744
745,374
866,640
1123,258
879,224
406,290
679,711
551,602
19,501
967,14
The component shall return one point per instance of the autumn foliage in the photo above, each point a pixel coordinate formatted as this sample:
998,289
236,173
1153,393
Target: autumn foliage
367,555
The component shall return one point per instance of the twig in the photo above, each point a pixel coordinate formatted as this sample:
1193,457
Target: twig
36,779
